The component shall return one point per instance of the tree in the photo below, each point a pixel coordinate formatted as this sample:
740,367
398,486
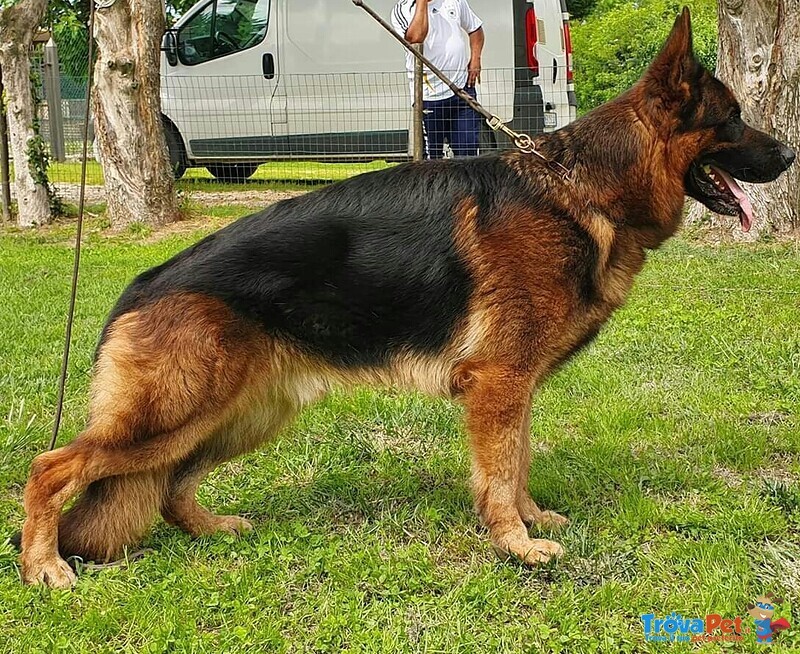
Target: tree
19,22
759,59
127,111
177,8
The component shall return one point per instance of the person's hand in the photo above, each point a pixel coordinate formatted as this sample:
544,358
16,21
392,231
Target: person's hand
474,72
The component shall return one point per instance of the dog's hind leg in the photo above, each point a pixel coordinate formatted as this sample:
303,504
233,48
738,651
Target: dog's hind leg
530,513
112,512
166,378
498,401
181,508
55,478
258,421
122,484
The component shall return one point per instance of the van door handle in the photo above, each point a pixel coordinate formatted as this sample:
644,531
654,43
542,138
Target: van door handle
268,65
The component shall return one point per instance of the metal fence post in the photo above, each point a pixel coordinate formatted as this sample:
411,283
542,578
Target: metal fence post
5,168
52,89
419,137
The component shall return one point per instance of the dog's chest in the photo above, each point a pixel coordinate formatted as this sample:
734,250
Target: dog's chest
620,259
614,277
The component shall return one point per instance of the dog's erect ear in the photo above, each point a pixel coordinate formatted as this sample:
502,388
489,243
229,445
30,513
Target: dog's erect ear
679,41
676,66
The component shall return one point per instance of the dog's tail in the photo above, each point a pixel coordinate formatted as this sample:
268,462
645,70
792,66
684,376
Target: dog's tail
112,513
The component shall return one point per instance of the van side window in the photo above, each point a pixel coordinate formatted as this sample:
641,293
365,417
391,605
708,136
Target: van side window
221,28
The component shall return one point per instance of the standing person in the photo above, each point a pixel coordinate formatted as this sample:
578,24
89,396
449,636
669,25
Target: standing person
438,25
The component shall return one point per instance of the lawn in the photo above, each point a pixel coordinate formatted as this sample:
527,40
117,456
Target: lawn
672,443
276,174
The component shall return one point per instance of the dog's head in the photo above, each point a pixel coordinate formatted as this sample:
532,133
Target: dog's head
703,121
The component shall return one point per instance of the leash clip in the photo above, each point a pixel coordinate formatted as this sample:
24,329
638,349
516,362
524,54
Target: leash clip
495,123
524,143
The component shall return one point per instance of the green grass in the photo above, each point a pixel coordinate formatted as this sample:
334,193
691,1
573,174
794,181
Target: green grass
278,175
672,443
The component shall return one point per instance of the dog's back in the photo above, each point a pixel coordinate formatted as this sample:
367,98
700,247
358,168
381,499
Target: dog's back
355,272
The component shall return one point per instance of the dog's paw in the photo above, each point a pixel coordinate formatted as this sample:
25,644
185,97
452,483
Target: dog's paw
201,522
54,573
212,524
232,524
530,551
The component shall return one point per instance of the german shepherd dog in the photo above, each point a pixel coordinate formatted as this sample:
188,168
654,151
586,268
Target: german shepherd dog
470,279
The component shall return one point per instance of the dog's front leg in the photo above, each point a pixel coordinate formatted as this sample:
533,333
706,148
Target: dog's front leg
498,403
529,511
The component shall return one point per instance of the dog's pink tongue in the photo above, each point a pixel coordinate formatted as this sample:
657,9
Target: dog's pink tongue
745,208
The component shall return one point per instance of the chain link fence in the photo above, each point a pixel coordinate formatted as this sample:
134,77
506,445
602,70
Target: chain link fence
61,76
292,129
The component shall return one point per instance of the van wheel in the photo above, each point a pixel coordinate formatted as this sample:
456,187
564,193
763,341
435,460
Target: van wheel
238,172
177,153
487,140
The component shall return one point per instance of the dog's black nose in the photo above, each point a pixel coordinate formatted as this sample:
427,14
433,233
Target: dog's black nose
788,155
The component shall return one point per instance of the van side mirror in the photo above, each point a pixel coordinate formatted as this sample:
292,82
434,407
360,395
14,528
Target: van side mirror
169,46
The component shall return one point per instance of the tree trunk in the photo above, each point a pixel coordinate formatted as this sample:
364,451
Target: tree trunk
759,59
127,110
18,23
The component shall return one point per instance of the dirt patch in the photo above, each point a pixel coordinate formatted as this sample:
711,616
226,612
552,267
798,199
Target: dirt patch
256,199
768,418
729,477
777,474
247,198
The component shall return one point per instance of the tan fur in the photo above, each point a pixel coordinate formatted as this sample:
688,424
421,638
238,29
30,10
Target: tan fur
171,372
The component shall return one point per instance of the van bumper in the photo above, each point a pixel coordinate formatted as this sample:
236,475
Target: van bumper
528,109
572,99
573,104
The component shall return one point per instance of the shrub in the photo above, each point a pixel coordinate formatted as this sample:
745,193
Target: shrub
616,42
579,9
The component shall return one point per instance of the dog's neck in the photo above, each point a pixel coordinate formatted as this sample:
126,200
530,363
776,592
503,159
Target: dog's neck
623,168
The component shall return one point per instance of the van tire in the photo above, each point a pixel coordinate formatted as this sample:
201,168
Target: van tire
177,153
237,172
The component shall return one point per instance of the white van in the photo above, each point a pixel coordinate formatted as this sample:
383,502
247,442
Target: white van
247,81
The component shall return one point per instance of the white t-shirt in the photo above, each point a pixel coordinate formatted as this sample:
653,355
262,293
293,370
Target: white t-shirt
445,45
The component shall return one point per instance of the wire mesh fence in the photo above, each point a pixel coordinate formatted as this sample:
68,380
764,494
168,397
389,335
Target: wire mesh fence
69,90
303,128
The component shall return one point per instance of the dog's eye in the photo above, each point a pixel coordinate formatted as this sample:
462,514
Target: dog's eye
733,127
